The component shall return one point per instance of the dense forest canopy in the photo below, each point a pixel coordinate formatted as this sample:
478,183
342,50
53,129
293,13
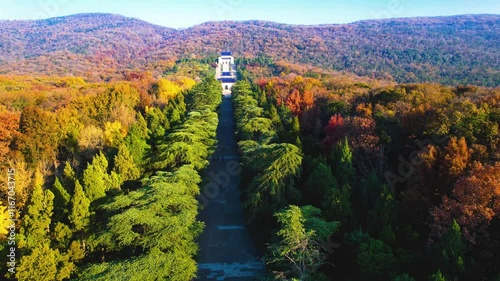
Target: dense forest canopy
355,179
107,175
109,124
450,50
345,176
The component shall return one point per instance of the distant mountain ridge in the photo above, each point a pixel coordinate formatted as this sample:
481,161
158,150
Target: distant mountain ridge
452,50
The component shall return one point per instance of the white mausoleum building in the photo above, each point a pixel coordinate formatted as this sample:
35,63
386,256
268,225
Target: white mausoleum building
226,72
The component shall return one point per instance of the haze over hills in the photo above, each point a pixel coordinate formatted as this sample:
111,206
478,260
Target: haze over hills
451,50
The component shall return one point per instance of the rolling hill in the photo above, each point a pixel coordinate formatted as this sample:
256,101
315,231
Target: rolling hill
451,50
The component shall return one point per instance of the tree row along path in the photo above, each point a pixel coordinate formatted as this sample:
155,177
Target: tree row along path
226,251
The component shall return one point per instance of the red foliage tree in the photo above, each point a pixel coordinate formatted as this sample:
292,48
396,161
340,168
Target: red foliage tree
262,82
39,135
335,130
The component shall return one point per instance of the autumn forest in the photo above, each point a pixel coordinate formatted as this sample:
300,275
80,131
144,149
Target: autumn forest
349,172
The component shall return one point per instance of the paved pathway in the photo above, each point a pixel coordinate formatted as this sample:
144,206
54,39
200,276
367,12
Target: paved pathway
226,248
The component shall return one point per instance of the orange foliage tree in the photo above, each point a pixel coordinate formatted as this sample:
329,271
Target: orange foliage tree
294,101
8,131
474,202
455,158
39,137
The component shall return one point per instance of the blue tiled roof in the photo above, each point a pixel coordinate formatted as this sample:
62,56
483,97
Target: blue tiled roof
226,54
227,80
226,73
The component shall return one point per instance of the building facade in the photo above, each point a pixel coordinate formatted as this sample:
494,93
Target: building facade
226,72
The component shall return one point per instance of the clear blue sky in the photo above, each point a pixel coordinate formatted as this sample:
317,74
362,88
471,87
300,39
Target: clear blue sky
185,13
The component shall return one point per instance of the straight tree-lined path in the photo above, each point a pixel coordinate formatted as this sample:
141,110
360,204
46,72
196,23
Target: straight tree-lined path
226,248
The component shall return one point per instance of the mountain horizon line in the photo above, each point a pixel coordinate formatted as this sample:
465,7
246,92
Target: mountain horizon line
90,14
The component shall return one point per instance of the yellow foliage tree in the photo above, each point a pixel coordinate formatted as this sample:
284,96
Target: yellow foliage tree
113,133
69,123
167,90
91,137
186,83
4,221
123,114
23,178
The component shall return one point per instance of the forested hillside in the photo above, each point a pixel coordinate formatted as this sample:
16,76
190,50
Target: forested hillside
451,50
93,45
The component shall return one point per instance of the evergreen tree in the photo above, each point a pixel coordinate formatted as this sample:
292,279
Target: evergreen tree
258,129
294,131
180,153
141,125
207,94
344,170
158,124
275,118
175,110
39,261
320,181
39,265
61,196
44,263
374,258
113,181
136,142
138,220
314,221
154,265
95,178
36,221
403,277
125,166
262,98
452,251
278,167
62,235
80,209
69,178
337,203
296,246
382,215
297,252
438,276
61,200
368,192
